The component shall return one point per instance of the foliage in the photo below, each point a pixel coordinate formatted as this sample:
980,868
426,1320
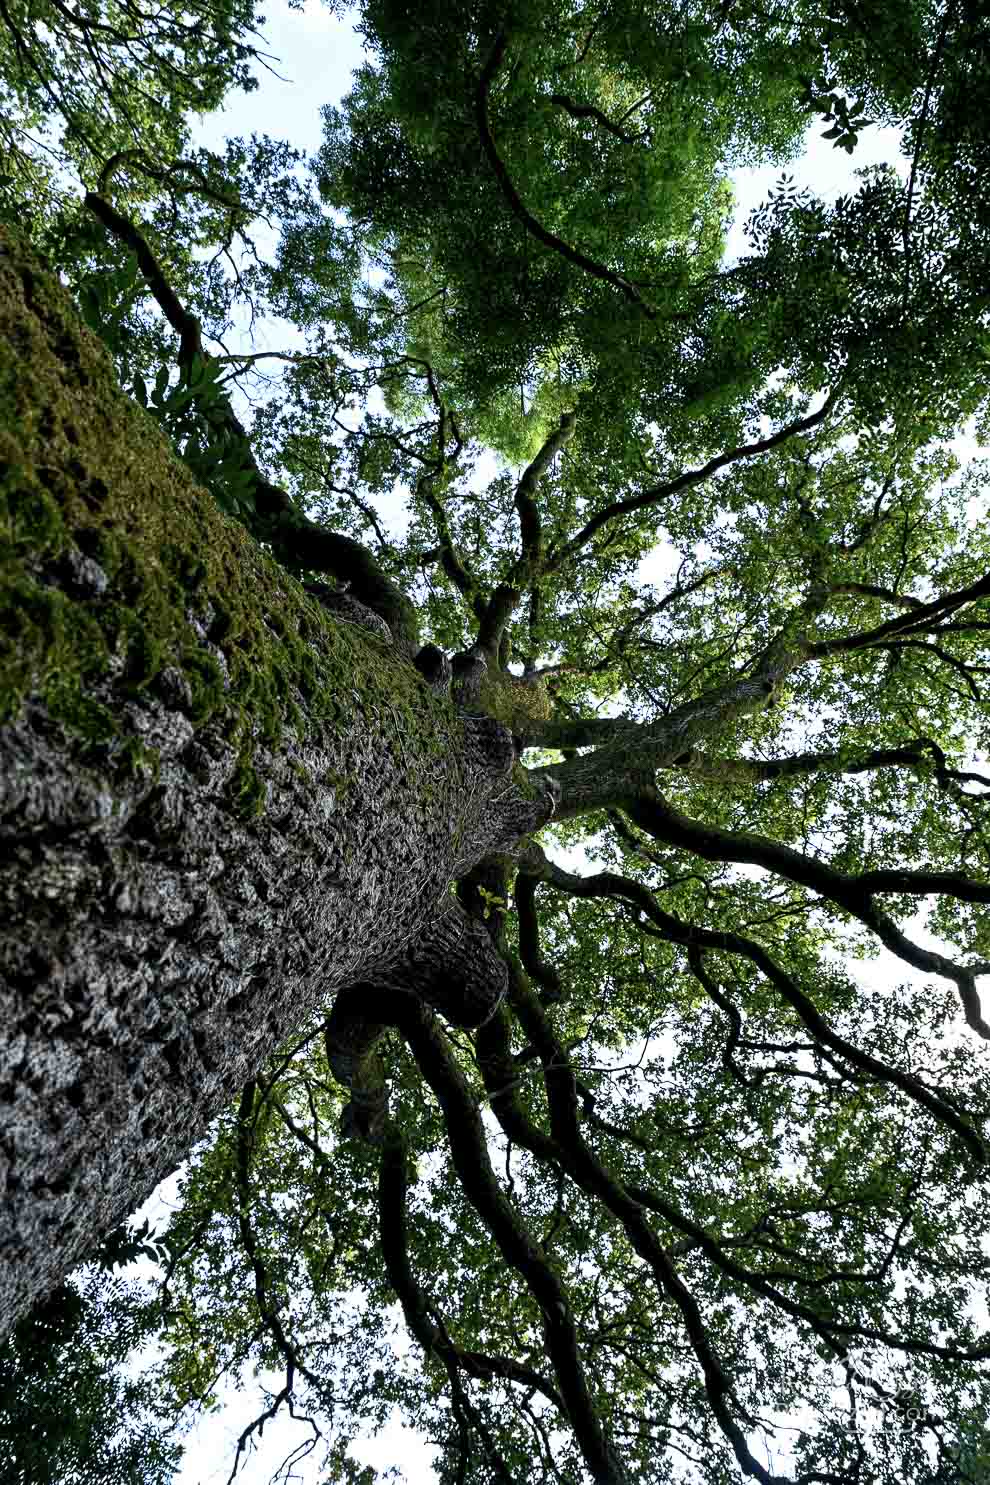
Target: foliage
79,85
704,1193
101,96
68,1414
191,413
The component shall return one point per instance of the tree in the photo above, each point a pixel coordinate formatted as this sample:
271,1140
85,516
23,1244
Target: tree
652,1175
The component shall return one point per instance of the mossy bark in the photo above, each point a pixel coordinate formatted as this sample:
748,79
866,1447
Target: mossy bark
218,805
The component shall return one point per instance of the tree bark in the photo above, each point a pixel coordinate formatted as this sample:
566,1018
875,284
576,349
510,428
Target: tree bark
219,804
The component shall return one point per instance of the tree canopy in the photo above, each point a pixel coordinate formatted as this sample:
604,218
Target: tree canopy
699,1195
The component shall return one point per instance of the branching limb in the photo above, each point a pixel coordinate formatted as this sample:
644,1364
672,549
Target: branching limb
968,672
526,570
923,618
871,590
914,754
535,965
589,111
629,754
854,894
450,559
677,931
515,201
469,1151
688,479
500,1074
837,1334
566,1149
427,486
451,966
419,1311
737,1042
530,525
185,325
138,160
268,1309
623,636
593,1177
352,1039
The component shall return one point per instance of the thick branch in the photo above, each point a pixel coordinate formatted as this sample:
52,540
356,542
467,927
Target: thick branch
496,614
629,754
530,526
393,1183
923,618
186,325
500,1073
451,967
589,111
761,770
566,1149
469,1150
498,611
529,941
871,590
450,559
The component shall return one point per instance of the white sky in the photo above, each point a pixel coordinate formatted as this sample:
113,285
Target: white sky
317,53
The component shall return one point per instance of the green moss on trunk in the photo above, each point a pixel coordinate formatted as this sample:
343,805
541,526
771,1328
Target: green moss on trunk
114,564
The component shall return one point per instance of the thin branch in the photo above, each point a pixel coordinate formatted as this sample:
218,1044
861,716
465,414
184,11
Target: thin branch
619,641
588,111
916,156
294,540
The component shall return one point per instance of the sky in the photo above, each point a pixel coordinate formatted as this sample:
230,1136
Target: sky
316,54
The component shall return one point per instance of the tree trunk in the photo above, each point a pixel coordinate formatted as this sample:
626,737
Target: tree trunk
218,804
